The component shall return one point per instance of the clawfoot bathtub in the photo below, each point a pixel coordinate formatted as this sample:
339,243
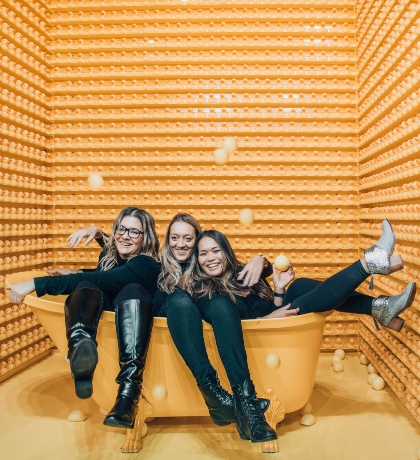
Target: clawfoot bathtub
282,355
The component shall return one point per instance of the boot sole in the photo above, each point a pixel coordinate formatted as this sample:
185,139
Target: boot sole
268,438
110,421
82,364
397,322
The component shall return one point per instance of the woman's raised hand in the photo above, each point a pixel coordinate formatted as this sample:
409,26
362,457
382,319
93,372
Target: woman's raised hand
251,273
89,233
282,279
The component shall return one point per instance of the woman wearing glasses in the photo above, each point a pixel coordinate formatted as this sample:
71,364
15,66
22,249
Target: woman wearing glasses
125,281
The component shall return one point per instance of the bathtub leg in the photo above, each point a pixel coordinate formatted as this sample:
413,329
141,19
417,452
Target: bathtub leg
132,442
274,415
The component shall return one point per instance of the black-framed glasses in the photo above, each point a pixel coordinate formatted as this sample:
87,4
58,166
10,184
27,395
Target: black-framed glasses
132,232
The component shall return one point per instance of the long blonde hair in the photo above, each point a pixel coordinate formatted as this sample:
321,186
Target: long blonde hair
150,239
171,271
200,284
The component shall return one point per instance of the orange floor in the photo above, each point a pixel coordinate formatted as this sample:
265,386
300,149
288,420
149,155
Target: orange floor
354,422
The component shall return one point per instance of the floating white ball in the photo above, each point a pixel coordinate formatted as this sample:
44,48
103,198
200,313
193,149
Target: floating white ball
371,369
363,360
341,353
272,361
76,416
282,263
95,181
159,392
371,377
246,216
378,383
307,409
335,359
307,420
221,156
338,367
230,144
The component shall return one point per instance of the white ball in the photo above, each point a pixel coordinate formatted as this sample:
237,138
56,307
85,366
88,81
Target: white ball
282,263
272,361
144,430
341,353
378,383
371,369
95,181
159,392
371,377
230,144
221,156
338,367
307,409
335,359
308,420
246,216
363,360
76,416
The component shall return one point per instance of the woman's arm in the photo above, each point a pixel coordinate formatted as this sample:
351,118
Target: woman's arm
89,233
252,272
141,269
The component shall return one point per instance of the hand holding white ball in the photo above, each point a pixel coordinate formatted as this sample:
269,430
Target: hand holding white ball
282,263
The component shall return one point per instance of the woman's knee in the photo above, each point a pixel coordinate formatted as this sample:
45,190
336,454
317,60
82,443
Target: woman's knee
180,301
87,285
133,291
222,307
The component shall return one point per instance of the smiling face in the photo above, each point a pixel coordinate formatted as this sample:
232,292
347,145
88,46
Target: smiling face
211,258
126,246
182,238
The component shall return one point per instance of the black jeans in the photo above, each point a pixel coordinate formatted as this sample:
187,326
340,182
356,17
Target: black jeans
335,293
131,291
185,321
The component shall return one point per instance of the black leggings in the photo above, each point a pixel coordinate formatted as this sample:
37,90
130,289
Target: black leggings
185,322
185,318
335,293
131,291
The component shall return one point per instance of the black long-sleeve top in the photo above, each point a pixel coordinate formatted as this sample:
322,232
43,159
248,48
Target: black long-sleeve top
140,269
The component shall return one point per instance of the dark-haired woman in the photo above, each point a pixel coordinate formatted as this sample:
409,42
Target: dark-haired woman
214,286
125,281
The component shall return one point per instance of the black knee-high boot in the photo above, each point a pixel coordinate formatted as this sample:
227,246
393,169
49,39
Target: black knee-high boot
134,321
82,311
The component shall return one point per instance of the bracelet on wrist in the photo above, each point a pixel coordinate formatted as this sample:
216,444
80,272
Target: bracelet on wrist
276,294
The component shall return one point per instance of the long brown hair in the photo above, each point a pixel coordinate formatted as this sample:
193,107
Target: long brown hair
171,272
150,239
200,284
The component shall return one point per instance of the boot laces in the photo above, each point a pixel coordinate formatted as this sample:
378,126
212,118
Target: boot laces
222,395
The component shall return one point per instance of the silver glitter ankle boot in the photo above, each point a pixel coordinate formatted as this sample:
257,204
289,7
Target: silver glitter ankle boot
379,258
385,309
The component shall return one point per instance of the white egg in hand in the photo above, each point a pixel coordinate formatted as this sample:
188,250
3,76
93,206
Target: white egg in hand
282,263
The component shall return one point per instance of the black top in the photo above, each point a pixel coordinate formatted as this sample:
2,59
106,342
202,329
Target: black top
160,296
140,269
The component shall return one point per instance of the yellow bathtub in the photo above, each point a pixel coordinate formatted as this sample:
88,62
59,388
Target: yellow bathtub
282,355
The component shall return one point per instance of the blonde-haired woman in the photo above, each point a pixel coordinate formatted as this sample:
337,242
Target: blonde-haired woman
125,281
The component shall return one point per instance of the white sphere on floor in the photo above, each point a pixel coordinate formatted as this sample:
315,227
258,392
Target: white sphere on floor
272,361
76,416
307,409
335,359
338,367
246,216
307,420
282,263
371,369
363,360
221,156
341,353
378,383
371,377
95,181
144,430
230,144
159,392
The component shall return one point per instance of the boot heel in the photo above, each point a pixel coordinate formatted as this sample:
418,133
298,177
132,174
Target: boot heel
241,434
83,388
396,324
396,263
